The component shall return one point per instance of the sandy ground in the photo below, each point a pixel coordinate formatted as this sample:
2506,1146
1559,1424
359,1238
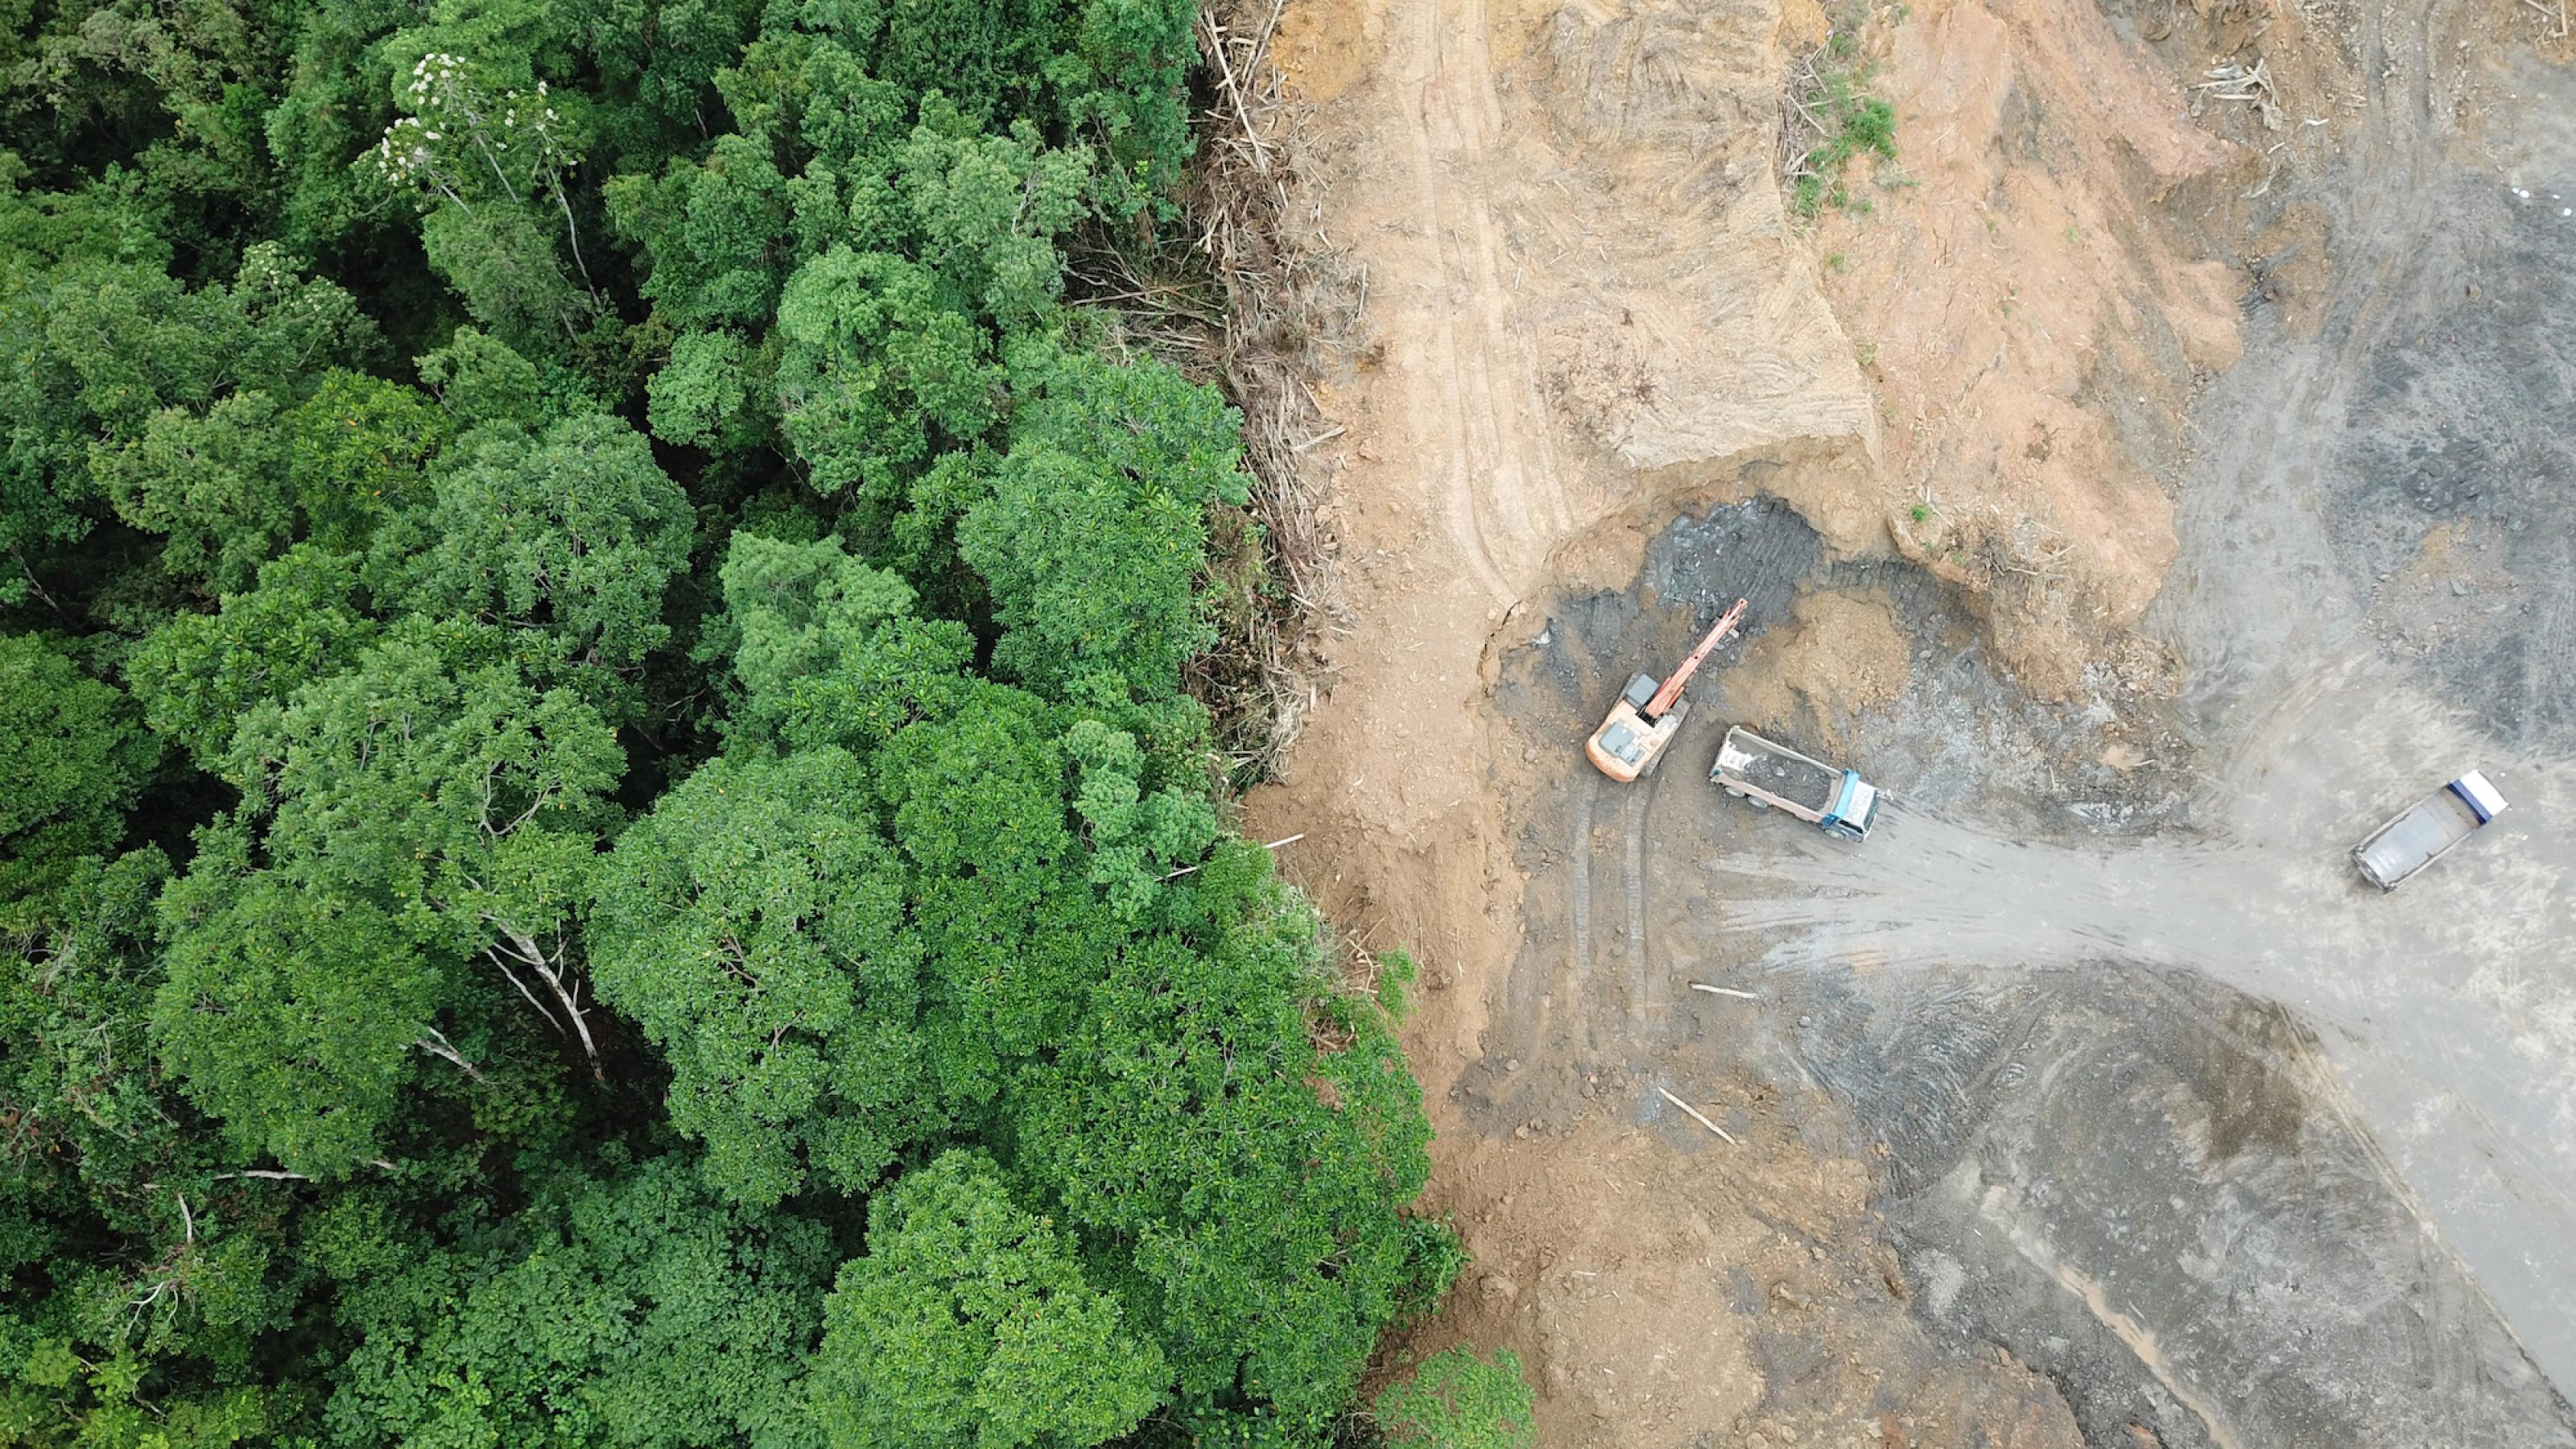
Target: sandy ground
2089,1103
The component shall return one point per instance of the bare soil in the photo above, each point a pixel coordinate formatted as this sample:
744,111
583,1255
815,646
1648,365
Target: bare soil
2127,489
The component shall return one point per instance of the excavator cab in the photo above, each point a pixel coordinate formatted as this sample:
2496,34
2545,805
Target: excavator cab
1649,713
1626,746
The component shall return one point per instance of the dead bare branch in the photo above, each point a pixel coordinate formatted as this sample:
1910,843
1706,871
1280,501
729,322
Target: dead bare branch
1697,1116
437,1045
1215,53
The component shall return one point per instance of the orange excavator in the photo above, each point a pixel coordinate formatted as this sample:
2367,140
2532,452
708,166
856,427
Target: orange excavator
1648,714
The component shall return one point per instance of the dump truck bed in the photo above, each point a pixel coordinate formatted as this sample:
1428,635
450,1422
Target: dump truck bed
2422,833
1809,787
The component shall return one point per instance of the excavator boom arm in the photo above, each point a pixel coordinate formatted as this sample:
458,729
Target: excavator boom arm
1672,690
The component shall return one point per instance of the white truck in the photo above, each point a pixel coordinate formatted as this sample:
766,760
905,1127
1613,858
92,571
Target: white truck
1750,767
2422,833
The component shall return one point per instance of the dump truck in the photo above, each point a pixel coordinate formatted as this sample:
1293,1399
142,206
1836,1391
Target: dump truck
2425,831
1767,773
1648,714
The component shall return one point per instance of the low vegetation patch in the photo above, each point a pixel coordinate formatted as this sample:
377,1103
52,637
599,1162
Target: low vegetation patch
1833,120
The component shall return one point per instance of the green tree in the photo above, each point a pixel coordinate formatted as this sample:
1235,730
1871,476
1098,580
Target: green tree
74,762
1456,1400
421,810
877,369
632,1310
575,531
490,162
824,649
1248,1182
720,235
214,486
970,1324
710,394
655,64
168,98
409,768
138,1261
74,998
358,451
198,675
989,208
291,1015
500,257
480,379
1137,840
58,1397
1124,81
753,926
332,102
1094,535
229,490
1012,933
99,349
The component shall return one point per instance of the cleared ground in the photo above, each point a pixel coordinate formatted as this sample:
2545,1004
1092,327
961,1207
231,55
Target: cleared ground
2094,1099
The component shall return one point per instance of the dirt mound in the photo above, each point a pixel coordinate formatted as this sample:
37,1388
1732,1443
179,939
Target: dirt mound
1599,303
1842,655
1567,1275
1679,332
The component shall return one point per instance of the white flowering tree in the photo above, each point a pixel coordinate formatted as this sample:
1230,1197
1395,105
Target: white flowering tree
498,157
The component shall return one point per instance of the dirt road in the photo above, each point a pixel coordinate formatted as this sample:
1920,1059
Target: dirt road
2093,1101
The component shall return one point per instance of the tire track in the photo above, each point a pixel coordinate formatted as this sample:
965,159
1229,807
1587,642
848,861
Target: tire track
2446,1329
1578,976
2258,621
1479,418
1442,435
1504,382
1632,874
1504,342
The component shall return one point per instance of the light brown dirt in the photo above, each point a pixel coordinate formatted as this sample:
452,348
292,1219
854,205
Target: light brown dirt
1587,305
2296,273
1590,308
1842,655
1576,1276
2016,299
1634,1276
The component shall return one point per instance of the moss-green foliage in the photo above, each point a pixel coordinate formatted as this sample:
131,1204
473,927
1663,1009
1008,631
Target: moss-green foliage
630,1308
1855,123
1095,526
753,927
1456,1400
1191,1119
570,534
602,843
74,761
970,1325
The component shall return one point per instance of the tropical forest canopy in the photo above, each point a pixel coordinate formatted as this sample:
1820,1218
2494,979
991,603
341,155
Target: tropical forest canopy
602,838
